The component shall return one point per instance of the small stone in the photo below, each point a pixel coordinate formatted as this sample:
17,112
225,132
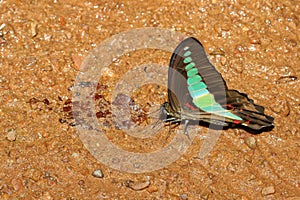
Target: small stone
205,195
183,197
219,52
210,175
137,186
292,43
35,175
268,190
286,79
281,107
47,196
11,135
122,100
152,188
223,61
33,28
255,41
81,182
17,184
107,72
250,142
30,61
240,49
98,173
77,60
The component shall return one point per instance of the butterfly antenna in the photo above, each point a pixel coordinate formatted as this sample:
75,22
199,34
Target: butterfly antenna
154,113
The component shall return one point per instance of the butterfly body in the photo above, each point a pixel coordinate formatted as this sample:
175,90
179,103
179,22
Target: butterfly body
197,92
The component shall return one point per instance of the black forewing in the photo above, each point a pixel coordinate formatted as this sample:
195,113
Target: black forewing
177,84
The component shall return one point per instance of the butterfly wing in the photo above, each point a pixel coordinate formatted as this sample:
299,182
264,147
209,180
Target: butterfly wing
197,91
178,93
195,86
253,115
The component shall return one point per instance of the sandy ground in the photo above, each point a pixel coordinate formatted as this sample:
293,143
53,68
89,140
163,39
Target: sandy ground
254,45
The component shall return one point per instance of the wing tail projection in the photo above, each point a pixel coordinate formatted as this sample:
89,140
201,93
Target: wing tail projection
253,115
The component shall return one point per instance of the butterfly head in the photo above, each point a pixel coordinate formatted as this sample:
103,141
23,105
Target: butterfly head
167,114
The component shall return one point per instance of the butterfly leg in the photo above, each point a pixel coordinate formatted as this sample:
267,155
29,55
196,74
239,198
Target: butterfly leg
172,120
186,124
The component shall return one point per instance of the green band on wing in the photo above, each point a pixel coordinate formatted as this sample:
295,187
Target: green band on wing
187,60
186,54
204,101
193,80
197,86
207,103
218,110
192,72
213,108
198,93
190,66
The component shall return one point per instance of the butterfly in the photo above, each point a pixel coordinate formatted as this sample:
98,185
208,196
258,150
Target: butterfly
197,92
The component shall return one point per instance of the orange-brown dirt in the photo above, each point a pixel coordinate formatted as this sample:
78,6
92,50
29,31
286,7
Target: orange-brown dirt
254,45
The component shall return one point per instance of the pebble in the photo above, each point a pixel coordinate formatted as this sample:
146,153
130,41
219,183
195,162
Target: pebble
223,60
250,142
98,173
205,195
292,43
107,72
255,41
219,52
77,60
35,175
281,107
47,196
268,190
183,196
286,79
81,182
122,100
240,49
33,28
152,188
30,61
137,186
17,184
11,135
